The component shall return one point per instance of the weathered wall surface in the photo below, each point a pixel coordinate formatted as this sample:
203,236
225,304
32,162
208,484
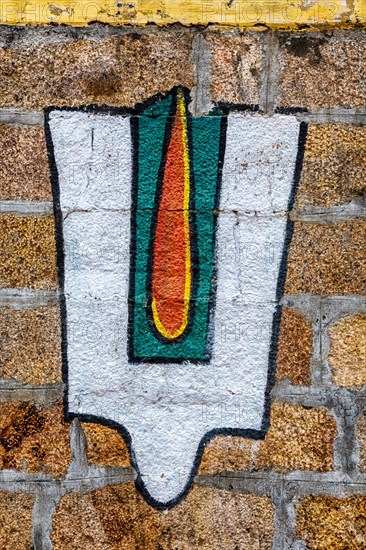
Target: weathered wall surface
70,484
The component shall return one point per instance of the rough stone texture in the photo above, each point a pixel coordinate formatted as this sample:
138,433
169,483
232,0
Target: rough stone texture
327,259
299,438
105,447
33,439
327,523
30,349
361,435
323,71
117,517
334,168
28,254
24,172
119,70
227,454
236,66
15,521
294,348
347,356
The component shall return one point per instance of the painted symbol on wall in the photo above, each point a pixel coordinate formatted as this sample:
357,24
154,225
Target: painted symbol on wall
173,237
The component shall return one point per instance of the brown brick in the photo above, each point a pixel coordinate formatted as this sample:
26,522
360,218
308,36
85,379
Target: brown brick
334,168
327,259
299,438
294,348
30,345
117,517
28,254
33,439
227,454
236,66
323,71
361,435
347,355
24,172
327,523
15,521
119,70
105,446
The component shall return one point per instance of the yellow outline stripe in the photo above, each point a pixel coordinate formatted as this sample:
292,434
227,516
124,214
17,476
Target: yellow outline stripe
271,13
187,239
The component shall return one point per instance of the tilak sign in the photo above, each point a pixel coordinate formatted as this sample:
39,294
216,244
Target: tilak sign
172,248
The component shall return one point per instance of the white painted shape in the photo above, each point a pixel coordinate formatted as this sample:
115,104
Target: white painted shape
259,162
93,154
168,408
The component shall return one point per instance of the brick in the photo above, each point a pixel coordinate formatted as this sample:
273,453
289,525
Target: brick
34,439
334,167
30,345
236,60
227,454
347,355
323,71
105,446
327,259
121,70
28,254
294,348
361,435
299,438
24,171
15,521
117,517
332,523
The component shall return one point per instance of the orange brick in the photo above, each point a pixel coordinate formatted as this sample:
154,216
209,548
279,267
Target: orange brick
299,438
28,252
24,171
327,259
305,60
120,70
33,438
327,523
118,518
347,355
15,521
294,348
105,447
30,345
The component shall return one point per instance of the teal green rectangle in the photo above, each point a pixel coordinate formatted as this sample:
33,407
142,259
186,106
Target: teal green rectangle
205,134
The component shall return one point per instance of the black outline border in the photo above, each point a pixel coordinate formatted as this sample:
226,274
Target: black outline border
247,433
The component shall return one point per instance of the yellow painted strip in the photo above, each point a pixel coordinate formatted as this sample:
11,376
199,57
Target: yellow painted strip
276,13
187,237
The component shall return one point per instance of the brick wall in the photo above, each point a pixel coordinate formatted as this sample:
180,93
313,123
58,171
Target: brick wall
70,485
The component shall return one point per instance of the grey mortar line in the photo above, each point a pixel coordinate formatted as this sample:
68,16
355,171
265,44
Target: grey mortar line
201,60
27,298
284,518
334,116
21,117
355,209
295,483
47,394
26,208
268,93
